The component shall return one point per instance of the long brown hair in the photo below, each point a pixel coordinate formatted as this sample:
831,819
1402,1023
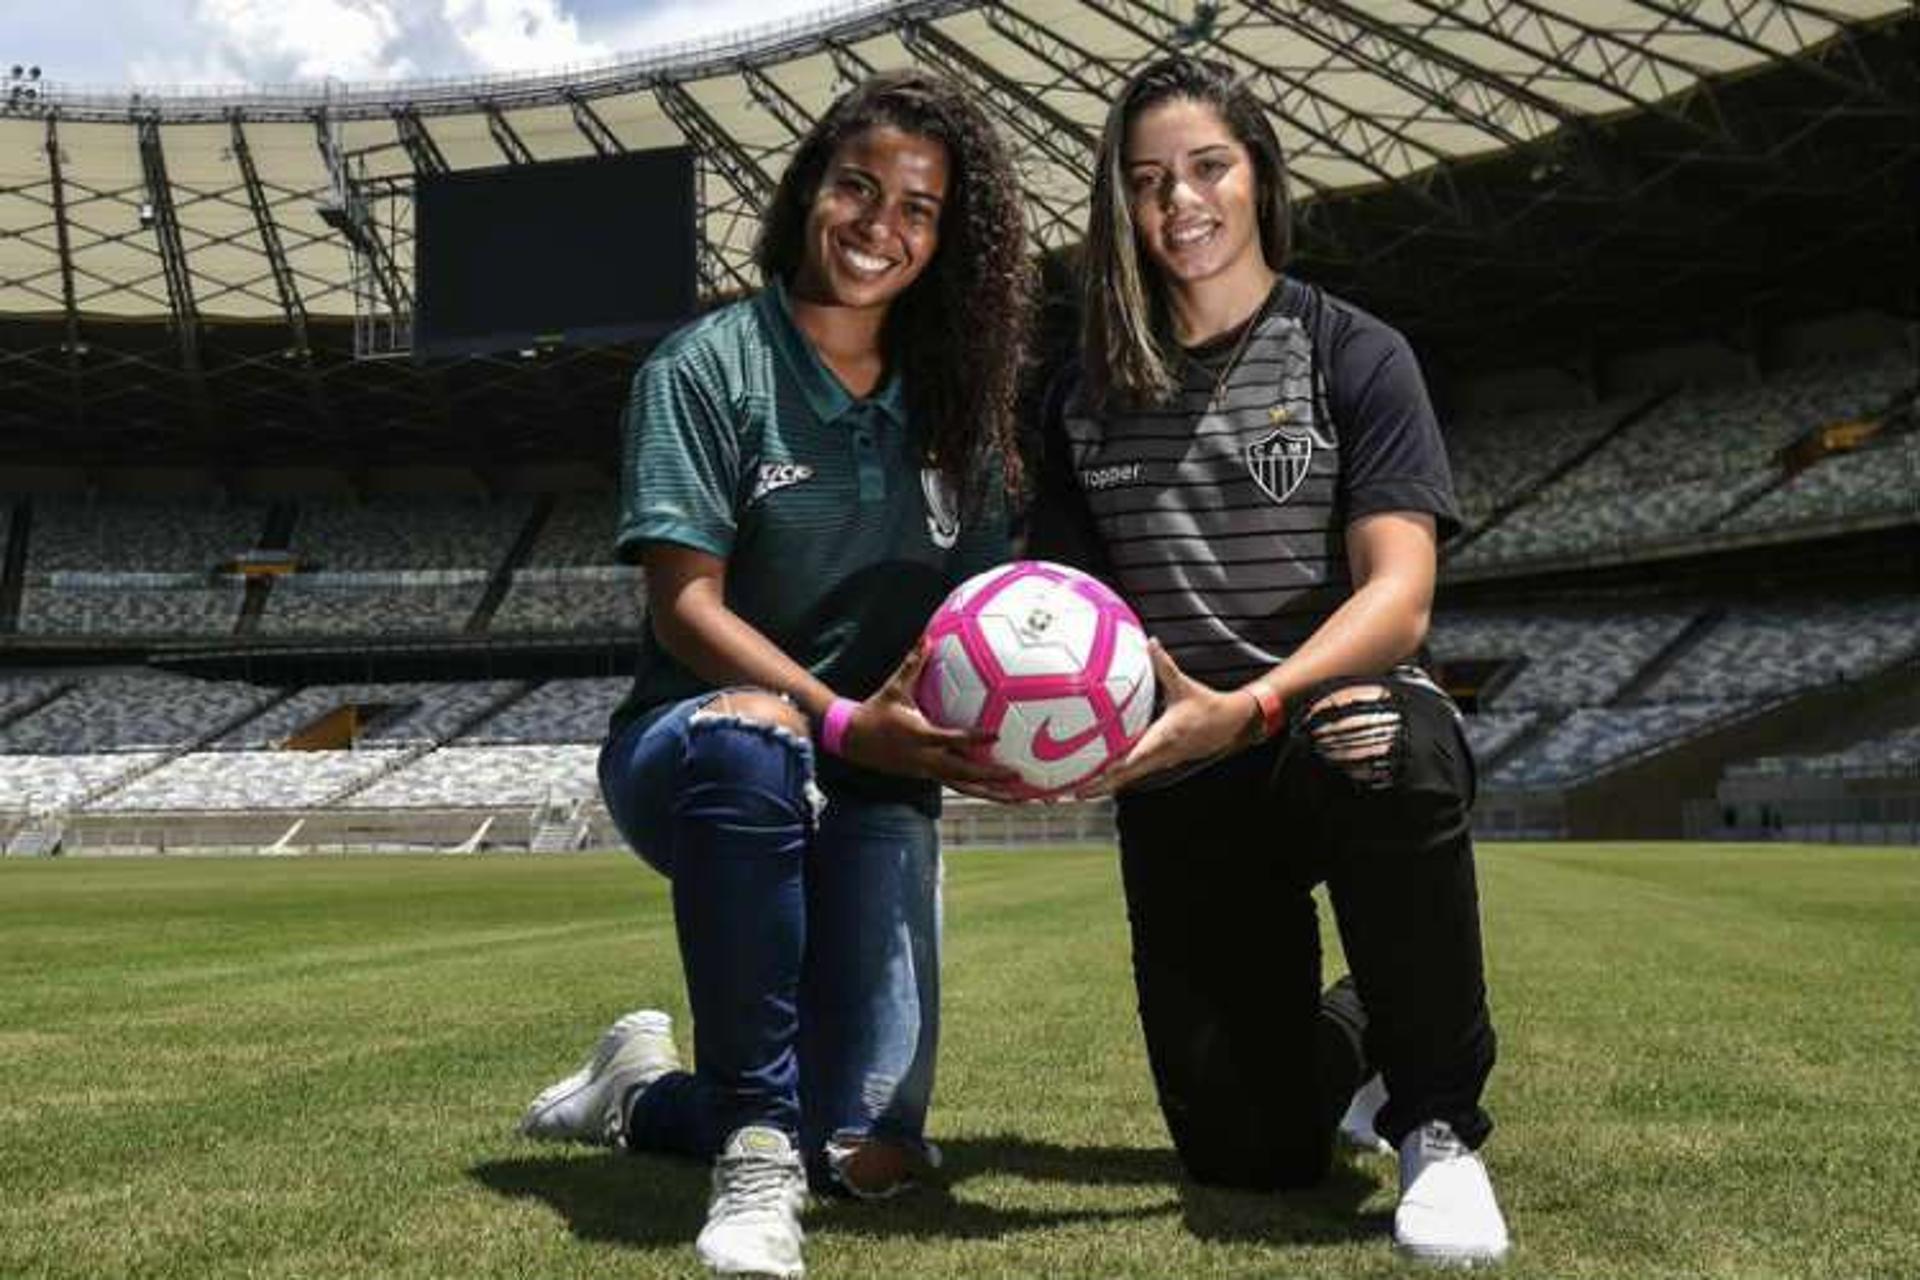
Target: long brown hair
958,335
1126,342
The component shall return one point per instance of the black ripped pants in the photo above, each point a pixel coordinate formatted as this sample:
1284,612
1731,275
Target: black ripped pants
1219,870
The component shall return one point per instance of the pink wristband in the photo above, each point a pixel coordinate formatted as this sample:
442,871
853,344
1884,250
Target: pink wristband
833,725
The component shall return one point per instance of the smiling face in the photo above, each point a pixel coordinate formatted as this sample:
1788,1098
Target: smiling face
1193,191
874,223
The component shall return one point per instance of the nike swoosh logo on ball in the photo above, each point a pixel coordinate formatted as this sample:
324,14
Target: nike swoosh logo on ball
1048,748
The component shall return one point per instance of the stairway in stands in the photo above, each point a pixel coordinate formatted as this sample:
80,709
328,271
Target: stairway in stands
1544,724
1668,654
277,536
480,716
1524,495
39,837
206,738
22,710
13,570
559,830
501,580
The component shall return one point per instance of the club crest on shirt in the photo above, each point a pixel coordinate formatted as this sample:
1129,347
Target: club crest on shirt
1280,460
778,475
943,510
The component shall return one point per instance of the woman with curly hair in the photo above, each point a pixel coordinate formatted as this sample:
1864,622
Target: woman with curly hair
806,474
1263,478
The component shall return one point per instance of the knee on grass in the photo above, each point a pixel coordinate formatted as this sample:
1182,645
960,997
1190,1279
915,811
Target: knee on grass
1294,1163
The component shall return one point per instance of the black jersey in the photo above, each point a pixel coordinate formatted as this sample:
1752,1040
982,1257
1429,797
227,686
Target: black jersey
1221,516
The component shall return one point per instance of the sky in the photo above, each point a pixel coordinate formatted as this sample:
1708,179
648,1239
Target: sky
209,42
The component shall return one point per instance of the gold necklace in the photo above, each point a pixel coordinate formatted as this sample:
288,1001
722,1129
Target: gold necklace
1233,356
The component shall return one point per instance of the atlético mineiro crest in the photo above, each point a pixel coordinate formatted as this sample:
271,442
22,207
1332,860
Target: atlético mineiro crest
1280,460
943,508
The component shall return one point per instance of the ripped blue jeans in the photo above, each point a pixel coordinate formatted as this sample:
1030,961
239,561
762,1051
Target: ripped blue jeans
809,934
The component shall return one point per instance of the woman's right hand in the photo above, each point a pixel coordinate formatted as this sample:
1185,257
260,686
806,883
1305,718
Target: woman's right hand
889,734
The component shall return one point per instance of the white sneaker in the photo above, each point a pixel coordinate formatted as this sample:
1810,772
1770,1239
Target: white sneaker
753,1219
1447,1212
1356,1126
586,1106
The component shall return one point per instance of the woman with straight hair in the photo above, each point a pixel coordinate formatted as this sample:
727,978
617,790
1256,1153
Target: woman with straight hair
806,473
1255,466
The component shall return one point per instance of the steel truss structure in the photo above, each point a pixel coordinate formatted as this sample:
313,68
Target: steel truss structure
1496,176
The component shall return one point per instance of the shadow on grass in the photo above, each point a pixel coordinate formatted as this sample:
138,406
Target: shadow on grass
644,1201
1326,1214
654,1202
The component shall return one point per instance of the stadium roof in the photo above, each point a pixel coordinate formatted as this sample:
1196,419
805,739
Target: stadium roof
1471,168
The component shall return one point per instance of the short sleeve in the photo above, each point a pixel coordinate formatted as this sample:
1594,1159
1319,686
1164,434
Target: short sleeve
1391,455
680,458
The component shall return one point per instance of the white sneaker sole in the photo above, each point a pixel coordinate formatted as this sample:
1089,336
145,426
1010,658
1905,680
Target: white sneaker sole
557,1096
734,1271
1461,1259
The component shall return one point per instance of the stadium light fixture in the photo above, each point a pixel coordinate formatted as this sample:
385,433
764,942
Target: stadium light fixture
23,86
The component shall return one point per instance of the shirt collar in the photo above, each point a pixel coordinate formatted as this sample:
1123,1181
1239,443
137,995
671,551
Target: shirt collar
825,394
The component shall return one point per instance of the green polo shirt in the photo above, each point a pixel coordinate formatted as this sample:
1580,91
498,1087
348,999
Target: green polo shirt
839,542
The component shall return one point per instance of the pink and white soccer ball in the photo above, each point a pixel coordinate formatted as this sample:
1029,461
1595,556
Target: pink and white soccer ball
1047,659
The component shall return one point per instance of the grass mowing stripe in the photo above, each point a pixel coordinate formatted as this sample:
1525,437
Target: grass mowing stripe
311,1067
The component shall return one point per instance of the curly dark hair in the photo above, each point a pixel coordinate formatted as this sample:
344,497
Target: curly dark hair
1127,349
958,335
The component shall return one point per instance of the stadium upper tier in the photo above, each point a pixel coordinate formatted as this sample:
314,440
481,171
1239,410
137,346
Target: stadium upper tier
1698,462
1567,695
101,190
1876,756
1568,658
1638,474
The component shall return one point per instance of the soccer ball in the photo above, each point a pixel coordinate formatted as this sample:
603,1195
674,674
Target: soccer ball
1048,660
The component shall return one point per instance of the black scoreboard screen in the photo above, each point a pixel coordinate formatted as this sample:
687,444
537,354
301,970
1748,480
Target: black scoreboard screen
565,252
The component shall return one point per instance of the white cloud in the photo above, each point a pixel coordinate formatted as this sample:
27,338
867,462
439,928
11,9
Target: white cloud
516,35
269,41
673,21
195,42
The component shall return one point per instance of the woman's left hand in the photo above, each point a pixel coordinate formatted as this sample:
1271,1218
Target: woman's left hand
1195,723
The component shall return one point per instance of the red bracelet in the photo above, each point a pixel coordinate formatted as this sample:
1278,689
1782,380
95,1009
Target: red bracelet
833,725
1273,709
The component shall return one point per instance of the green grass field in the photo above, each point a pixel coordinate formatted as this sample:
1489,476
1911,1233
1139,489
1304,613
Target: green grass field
1710,1067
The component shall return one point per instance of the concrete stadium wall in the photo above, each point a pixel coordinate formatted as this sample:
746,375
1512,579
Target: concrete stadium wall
334,830
964,824
1648,800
